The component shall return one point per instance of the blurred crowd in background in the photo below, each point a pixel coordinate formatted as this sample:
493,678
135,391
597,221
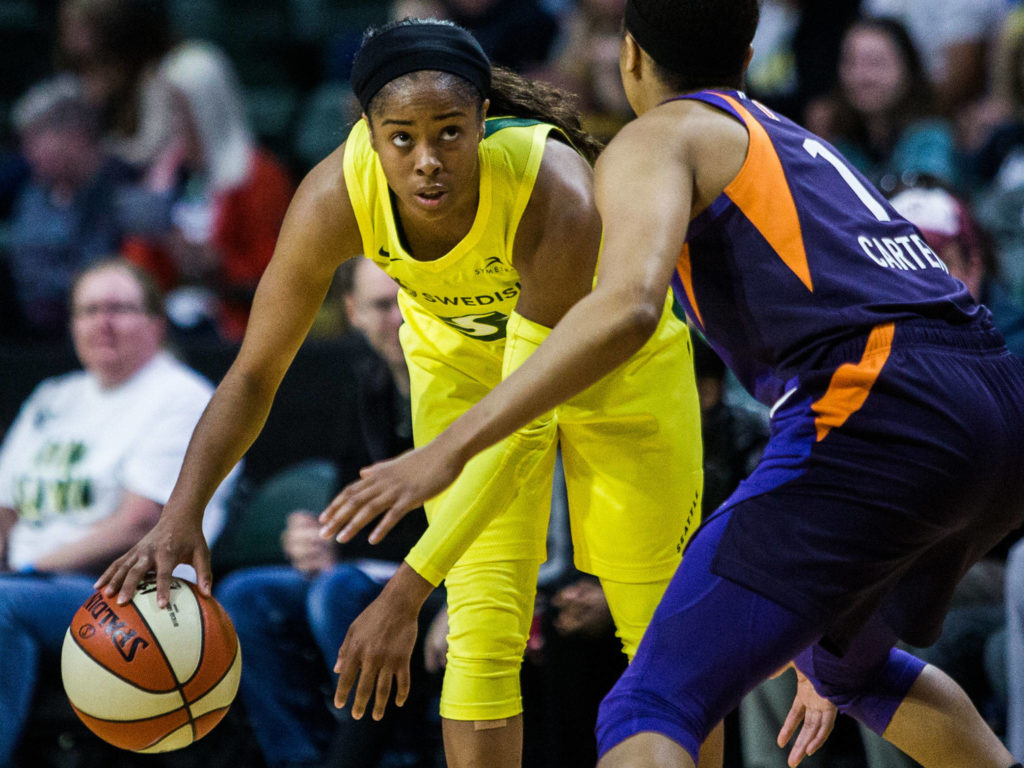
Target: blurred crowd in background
172,134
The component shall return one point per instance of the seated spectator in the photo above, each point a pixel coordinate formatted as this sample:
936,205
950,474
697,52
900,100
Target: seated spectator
517,34
292,619
954,38
216,200
115,48
65,217
585,62
950,229
796,52
881,117
85,470
994,154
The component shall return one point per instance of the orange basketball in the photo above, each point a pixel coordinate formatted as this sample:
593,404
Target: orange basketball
148,679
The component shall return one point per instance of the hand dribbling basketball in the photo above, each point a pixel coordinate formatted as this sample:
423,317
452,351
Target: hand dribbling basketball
151,679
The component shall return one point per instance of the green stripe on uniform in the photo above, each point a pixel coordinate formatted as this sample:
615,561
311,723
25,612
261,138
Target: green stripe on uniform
494,124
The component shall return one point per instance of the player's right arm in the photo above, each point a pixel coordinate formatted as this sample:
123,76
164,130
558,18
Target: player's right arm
319,232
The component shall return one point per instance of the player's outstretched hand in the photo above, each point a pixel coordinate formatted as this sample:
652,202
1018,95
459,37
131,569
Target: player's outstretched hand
818,716
171,541
389,489
376,652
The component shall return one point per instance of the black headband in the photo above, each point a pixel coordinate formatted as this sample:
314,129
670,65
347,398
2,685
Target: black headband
414,47
670,53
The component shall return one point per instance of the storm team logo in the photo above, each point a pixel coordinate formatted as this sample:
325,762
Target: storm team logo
488,327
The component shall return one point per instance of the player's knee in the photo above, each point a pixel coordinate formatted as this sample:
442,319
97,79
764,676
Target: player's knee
480,692
480,669
624,714
872,695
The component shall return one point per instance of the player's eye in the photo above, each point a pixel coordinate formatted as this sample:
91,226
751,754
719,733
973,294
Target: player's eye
401,139
450,132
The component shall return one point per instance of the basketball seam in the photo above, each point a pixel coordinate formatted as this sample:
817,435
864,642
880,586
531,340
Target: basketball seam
118,721
220,679
199,665
113,673
202,651
180,688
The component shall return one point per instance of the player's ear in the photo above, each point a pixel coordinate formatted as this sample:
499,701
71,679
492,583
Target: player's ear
747,58
483,116
369,128
629,55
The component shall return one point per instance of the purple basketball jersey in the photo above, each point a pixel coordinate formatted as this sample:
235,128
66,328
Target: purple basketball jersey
801,252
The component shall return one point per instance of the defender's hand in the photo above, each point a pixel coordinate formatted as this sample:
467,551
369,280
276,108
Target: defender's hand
818,716
389,489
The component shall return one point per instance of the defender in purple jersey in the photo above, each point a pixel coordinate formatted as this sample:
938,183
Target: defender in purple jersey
896,457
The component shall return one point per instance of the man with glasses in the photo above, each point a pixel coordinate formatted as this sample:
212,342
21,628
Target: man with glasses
85,470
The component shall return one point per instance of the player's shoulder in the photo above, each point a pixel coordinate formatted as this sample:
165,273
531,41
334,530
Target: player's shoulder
681,135
325,182
564,188
562,207
563,166
321,211
681,123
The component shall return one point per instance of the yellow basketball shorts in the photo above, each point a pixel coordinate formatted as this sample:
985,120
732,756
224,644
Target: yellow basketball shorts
632,457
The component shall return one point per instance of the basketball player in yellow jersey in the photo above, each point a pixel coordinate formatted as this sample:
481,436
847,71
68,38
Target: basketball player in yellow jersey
490,228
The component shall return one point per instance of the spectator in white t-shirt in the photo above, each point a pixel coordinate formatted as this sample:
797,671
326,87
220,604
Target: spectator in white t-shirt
85,470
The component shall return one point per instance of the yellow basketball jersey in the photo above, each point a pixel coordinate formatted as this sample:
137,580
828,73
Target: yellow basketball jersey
473,288
616,435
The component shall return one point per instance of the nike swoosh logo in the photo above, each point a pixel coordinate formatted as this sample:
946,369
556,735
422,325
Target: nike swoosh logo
387,255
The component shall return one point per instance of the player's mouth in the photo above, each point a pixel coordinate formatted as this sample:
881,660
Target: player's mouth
431,197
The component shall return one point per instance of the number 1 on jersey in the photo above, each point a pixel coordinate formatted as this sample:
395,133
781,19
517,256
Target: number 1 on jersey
816,149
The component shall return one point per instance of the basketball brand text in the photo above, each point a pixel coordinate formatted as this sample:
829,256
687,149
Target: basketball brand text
126,641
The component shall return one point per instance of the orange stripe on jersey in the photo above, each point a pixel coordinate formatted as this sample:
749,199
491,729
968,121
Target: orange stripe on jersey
774,214
764,110
686,276
851,383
